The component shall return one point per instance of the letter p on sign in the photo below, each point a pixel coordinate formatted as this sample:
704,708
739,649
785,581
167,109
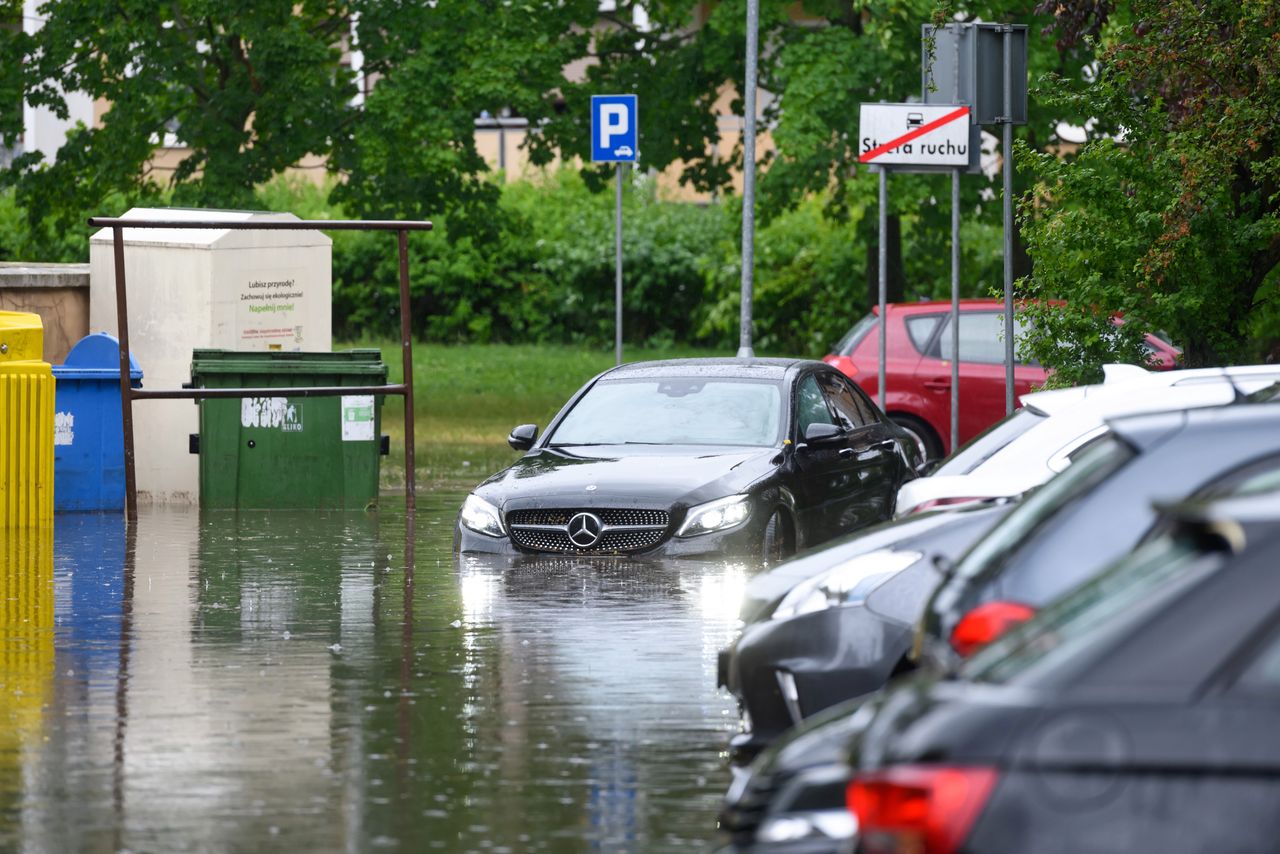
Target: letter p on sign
614,137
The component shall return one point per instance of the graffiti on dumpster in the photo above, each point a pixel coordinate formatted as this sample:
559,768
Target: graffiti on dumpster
272,413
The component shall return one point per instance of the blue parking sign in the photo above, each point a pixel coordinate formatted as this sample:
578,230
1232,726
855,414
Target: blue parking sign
613,129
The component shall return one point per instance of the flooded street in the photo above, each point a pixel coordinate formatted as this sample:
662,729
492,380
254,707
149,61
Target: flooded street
294,681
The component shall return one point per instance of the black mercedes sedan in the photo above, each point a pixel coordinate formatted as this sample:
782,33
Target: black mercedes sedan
1135,714
695,457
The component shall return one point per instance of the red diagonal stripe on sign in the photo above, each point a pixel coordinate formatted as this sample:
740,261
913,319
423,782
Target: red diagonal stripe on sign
910,135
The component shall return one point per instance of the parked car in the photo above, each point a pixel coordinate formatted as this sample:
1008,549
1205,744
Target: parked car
1093,512
695,457
918,367
816,643
1135,714
791,799
1087,517
1054,427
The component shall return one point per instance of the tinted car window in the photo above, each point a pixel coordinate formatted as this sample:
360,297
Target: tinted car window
981,338
1025,519
843,402
854,336
811,407
675,411
984,446
1086,619
920,329
1253,479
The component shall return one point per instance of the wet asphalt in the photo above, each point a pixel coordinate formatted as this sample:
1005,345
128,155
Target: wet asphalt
235,681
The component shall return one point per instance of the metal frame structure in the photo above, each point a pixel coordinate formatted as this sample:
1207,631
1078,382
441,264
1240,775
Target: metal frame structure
128,394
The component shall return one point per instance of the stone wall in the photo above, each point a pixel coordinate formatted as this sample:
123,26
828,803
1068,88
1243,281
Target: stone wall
59,293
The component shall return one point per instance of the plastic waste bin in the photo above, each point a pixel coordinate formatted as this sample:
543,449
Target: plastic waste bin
288,452
26,423
88,442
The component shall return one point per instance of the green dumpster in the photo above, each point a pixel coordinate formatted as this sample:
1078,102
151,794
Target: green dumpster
288,452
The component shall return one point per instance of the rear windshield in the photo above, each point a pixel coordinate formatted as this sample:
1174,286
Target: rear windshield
985,445
854,336
1085,622
1032,513
675,411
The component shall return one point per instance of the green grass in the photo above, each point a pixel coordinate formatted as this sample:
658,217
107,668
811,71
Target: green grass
467,397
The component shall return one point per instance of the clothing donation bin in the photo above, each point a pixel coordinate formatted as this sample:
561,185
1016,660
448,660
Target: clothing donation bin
26,423
288,452
88,441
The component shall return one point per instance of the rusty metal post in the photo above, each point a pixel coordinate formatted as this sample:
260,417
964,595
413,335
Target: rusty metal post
406,347
126,387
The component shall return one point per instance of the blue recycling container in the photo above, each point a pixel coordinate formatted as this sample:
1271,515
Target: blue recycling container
88,441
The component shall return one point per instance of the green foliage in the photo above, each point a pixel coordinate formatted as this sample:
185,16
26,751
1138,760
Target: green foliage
1177,228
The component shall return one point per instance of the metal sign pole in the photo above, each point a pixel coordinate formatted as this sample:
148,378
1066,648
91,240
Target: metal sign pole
617,267
749,180
884,279
955,309
1008,220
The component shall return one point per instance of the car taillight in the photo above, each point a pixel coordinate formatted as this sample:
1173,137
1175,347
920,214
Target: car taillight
987,622
843,364
918,808
935,503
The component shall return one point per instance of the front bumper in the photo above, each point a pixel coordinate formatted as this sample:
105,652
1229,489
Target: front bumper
782,671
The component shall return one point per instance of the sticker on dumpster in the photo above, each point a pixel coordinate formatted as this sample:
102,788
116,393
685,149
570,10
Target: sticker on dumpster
64,428
272,413
357,418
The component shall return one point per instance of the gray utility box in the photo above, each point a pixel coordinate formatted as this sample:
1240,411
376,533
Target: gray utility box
967,67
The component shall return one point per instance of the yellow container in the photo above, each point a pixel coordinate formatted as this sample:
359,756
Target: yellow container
26,642
26,424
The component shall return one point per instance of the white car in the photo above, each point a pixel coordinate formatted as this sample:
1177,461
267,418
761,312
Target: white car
1052,427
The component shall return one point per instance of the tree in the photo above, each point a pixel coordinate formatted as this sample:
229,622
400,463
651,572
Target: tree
1172,220
249,87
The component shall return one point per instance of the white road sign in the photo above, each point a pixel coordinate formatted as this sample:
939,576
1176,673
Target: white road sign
914,134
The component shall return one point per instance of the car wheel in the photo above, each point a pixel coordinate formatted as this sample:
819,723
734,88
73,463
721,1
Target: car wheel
927,441
776,545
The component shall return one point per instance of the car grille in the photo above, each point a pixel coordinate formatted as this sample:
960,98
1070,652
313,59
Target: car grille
625,530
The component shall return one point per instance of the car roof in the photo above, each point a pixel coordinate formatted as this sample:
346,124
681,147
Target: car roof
1146,429
938,305
722,367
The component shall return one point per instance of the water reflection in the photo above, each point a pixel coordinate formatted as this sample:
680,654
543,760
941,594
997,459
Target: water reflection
310,680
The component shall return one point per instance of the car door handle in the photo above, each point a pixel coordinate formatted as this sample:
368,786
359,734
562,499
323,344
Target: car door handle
937,385
846,453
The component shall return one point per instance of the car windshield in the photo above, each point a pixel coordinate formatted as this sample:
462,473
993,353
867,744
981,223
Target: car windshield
985,445
1093,466
854,336
1085,620
675,411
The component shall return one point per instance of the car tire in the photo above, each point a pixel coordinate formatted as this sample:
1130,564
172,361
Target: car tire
927,441
776,545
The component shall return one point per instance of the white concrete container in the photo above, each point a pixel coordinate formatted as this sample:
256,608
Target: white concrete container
188,288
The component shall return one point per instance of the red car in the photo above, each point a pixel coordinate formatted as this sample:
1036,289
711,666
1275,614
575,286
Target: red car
918,376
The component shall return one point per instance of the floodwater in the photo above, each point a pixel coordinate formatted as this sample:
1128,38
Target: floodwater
311,681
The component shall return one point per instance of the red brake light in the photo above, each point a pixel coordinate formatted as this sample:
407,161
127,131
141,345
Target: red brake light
843,364
918,808
987,622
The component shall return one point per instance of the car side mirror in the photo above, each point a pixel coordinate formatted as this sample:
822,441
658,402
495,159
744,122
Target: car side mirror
817,433
522,437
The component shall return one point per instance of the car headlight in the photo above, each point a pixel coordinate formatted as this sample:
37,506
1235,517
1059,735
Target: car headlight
848,583
482,517
719,515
